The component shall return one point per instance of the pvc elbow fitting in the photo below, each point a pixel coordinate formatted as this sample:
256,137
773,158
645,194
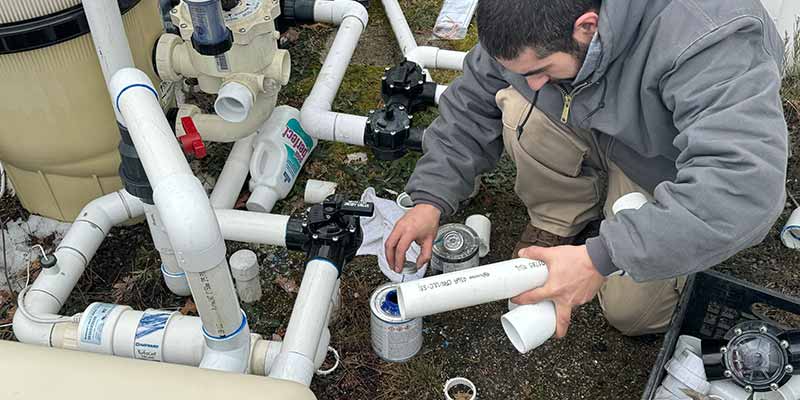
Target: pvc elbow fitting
530,325
234,102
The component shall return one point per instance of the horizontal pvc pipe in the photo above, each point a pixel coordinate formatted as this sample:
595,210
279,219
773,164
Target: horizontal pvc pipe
125,379
434,57
469,287
253,227
316,116
234,173
306,325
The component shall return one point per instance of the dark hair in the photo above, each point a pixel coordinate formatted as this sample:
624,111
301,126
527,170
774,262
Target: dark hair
507,27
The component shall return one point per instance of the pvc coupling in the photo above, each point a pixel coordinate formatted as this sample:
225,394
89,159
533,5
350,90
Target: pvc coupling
529,325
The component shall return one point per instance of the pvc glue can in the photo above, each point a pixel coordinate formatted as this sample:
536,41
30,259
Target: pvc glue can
455,248
393,338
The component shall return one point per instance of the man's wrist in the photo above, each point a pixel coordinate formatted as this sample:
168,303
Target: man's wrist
601,258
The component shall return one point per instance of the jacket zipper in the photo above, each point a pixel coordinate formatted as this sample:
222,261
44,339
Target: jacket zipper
568,97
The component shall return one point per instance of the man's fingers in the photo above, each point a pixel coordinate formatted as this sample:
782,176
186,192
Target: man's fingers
563,315
533,296
391,244
535,253
400,251
425,253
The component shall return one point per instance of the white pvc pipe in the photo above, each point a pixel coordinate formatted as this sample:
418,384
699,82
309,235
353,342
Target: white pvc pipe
438,94
110,42
174,277
399,26
234,173
253,227
530,325
316,116
434,57
317,191
469,287
309,319
53,286
188,218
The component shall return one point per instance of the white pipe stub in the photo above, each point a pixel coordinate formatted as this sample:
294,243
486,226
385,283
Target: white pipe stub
234,102
459,381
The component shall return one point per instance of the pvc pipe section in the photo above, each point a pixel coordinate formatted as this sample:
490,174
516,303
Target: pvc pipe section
110,42
316,116
233,102
234,174
307,323
174,277
469,287
317,191
125,379
253,227
52,287
188,218
529,326
425,56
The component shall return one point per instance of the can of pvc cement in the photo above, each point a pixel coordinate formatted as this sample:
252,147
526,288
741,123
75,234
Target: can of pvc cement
394,339
455,248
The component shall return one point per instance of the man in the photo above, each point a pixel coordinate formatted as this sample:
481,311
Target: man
675,99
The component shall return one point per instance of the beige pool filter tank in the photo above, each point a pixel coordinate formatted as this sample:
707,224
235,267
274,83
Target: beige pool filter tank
58,135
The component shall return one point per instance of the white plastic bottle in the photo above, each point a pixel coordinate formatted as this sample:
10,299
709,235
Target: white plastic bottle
280,150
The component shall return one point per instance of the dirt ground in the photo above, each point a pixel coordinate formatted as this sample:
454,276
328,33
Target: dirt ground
593,362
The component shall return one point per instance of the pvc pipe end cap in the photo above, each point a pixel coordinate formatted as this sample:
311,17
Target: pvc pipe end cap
244,265
262,199
234,102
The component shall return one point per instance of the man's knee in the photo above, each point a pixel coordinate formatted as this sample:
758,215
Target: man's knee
639,308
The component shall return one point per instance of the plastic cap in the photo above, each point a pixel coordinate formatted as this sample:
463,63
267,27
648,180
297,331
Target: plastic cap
262,199
244,265
234,101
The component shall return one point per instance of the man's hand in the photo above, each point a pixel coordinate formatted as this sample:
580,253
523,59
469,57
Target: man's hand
572,280
418,225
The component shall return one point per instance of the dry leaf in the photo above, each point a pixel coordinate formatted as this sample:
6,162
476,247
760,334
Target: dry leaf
287,284
5,297
189,308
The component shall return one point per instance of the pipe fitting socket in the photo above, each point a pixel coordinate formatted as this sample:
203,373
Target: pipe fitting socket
234,102
165,62
279,69
230,353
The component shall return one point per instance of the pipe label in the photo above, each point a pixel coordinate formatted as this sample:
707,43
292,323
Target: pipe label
92,331
150,335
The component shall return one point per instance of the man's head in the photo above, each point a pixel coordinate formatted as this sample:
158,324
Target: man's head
544,40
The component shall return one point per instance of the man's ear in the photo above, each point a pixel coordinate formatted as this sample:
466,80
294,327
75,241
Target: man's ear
585,27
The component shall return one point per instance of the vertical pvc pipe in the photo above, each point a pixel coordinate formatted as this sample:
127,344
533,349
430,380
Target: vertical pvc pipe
296,360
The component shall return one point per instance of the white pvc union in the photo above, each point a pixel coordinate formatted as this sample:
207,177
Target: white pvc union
281,149
234,102
470,287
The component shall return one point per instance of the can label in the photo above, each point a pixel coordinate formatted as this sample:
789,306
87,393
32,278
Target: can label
393,338
92,331
396,342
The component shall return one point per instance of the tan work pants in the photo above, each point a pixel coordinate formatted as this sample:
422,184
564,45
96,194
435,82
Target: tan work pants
565,180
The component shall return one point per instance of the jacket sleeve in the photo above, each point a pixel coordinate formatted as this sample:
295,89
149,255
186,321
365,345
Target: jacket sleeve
465,140
729,190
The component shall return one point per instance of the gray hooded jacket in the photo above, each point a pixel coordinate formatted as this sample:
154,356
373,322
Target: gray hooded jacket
685,98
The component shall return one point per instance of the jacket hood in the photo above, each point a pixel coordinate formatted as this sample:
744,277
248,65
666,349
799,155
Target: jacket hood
618,27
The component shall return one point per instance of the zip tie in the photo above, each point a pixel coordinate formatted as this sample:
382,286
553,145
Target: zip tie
453,382
330,370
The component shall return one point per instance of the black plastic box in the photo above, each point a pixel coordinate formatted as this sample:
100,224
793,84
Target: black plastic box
710,305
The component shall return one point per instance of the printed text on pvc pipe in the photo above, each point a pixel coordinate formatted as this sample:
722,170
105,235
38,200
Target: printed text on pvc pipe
464,279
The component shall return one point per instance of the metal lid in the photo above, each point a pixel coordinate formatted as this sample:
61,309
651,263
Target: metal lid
456,243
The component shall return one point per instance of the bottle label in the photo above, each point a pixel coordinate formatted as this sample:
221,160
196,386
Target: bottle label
298,147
